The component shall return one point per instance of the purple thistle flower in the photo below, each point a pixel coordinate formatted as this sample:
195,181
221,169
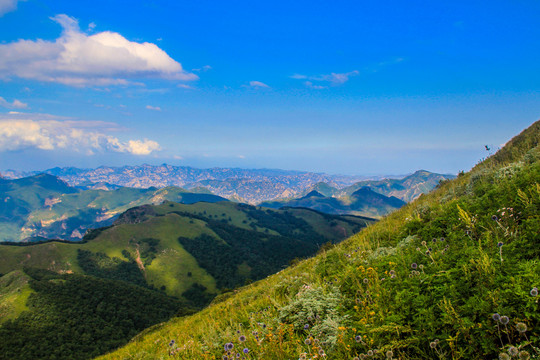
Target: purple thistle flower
246,350
414,265
242,338
494,218
496,317
504,320
500,243
534,292
306,326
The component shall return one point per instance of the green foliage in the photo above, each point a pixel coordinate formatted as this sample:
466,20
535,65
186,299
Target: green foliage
102,266
316,312
80,317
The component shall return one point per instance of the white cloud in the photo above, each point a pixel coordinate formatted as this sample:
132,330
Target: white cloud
204,68
78,59
258,84
16,104
155,108
7,6
185,86
332,78
20,131
310,85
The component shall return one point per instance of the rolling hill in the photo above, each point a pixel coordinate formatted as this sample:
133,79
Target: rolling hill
43,206
454,274
177,257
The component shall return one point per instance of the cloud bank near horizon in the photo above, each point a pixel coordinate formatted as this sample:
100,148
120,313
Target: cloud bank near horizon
49,133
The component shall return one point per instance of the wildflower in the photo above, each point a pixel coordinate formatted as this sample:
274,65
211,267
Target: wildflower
494,218
433,345
496,317
306,326
321,352
534,292
358,338
225,357
366,281
421,267
521,327
524,355
370,353
242,338
436,341
500,243
307,341
246,350
513,351
434,240
504,356
229,346
442,239
504,320
392,273
171,344
389,354
423,243
414,265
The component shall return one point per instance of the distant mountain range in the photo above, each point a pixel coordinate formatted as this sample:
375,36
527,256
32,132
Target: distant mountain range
407,189
243,185
364,202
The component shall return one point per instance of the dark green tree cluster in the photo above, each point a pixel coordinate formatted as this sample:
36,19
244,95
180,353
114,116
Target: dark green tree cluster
81,317
102,266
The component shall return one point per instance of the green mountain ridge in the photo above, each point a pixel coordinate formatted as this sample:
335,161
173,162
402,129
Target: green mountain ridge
454,274
43,206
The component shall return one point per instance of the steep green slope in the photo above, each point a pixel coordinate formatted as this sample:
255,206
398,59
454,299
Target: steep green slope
44,207
452,275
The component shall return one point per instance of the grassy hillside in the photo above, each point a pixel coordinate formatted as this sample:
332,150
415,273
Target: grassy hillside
453,275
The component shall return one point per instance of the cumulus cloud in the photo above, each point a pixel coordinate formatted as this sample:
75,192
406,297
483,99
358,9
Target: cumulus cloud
332,78
7,6
258,84
16,104
78,59
155,108
23,131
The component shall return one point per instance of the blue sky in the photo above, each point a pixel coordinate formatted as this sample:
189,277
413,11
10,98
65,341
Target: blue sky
348,87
